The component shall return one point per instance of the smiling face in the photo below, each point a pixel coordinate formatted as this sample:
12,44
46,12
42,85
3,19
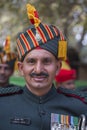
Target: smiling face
39,68
5,73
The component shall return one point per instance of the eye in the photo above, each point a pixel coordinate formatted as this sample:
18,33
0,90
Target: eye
7,68
47,61
31,61
71,83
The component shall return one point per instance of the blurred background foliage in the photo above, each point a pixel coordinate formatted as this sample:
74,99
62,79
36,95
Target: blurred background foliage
69,15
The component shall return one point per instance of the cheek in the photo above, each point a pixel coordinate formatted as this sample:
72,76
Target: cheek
9,73
26,70
52,70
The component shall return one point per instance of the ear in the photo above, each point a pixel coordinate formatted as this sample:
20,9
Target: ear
10,72
59,64
20,68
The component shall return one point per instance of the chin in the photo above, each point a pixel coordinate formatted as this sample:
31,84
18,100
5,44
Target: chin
39,86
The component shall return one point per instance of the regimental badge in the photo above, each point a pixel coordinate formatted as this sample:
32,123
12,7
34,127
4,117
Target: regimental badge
64,122
37,36
4,58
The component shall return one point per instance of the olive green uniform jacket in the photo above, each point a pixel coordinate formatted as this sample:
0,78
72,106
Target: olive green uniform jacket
22,110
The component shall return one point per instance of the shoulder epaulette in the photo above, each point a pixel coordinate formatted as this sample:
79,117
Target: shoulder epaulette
10,91
74,93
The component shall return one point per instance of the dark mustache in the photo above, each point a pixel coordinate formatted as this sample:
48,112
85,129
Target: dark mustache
40,74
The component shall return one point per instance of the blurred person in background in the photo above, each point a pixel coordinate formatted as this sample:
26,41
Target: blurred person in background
7,64
66,76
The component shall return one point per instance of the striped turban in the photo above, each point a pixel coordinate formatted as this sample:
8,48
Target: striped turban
45,36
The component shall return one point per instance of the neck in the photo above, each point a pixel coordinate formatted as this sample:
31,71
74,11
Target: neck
39,91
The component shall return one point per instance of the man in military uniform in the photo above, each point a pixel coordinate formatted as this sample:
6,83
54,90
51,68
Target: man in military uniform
7,63
38,106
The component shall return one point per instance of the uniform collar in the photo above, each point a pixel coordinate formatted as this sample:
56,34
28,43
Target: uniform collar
40,99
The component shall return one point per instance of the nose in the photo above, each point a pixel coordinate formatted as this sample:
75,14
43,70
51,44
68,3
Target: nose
38,67
2,70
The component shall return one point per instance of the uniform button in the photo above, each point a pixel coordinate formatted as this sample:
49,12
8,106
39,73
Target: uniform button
42,113
40,101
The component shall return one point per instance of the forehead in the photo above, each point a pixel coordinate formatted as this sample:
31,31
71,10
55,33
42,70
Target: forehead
39,53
